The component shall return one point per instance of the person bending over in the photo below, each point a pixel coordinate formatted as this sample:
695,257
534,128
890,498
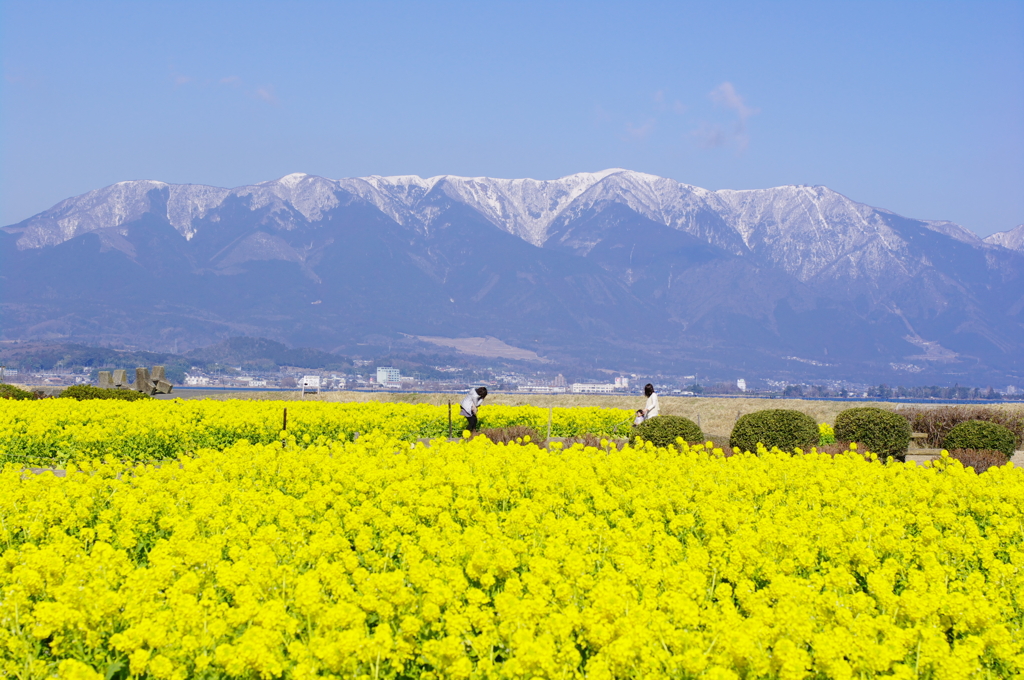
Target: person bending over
650,409
471,404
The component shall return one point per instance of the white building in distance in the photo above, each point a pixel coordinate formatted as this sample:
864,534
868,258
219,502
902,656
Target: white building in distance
592,388
542,389
742,385
622,383
389,377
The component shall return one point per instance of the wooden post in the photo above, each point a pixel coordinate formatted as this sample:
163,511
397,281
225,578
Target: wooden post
449,419
284,427
698,422
550,411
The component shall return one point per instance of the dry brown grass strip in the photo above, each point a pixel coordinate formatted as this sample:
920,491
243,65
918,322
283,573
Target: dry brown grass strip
979,459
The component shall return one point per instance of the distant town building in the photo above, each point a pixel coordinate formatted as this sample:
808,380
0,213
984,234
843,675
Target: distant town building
1011,390
542,389
592,388
196,380
742,385
310,384
559,381
622,383
388,376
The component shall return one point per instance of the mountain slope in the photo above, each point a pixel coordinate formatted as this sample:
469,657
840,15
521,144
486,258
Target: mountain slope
615,264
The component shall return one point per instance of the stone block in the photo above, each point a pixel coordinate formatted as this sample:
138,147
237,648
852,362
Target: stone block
157,374
922,456
162,387
142,381
120,378
106,382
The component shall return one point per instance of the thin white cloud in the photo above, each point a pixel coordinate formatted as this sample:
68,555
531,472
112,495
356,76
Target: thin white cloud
640,132
661,104
709,135
266,93
234,81
713,135
727,96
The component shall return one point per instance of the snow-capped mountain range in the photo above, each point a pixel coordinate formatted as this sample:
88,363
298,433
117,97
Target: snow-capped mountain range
806,230
796,246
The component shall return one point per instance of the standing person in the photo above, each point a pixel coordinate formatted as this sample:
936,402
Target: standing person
650,409
471,404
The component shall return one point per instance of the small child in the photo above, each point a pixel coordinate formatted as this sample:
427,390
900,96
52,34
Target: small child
639,419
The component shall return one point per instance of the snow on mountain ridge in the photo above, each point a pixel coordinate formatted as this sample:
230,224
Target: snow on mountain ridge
188,202
524,207
112,206
954,230
811,232
1012,239
309,195
662,200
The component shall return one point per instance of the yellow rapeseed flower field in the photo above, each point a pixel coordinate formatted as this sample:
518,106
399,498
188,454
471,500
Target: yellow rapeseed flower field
59,431
325,557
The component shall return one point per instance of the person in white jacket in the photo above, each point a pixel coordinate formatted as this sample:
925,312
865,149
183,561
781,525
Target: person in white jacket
470,405
650,409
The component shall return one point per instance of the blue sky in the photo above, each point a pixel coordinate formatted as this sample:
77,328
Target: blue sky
917,107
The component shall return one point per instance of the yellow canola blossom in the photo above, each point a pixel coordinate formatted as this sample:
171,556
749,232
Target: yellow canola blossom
381,559
58,431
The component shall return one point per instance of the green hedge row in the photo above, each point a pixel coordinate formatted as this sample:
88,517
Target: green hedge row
879,431
83,392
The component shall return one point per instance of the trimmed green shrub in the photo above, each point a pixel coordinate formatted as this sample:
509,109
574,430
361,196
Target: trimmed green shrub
882,432
663,430
784,428
82,392
981,434
12,392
